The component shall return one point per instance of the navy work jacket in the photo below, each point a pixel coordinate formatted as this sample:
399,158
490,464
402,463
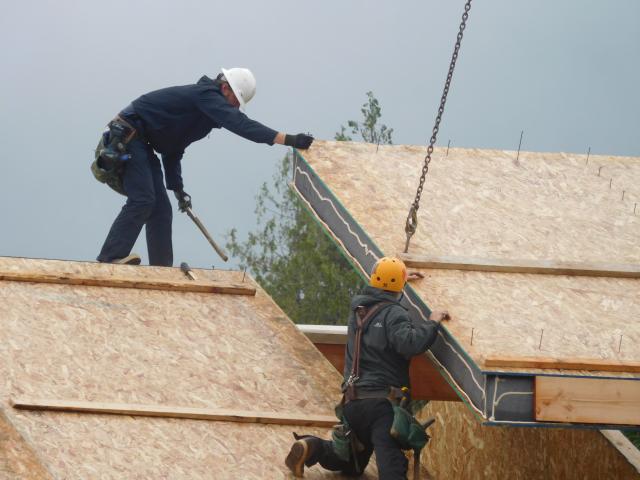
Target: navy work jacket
174,117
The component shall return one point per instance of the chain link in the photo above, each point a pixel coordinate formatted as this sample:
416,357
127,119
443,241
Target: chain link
412,218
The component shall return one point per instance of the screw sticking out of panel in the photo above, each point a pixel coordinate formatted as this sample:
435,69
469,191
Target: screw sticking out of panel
610,182
540,344
472,335
378,146
622,194
634,207
620,344
244,273
519,145
448,145
599,168
588,153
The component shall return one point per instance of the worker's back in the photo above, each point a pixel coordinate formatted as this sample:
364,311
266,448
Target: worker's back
389,340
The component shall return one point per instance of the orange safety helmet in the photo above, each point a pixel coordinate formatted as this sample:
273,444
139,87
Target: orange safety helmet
389,273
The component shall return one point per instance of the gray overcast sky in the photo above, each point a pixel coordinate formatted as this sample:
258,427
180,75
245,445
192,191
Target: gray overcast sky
565,72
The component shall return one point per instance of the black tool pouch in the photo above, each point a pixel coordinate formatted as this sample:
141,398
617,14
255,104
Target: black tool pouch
111,154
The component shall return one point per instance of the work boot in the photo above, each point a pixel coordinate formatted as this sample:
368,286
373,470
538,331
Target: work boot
305,451
132,259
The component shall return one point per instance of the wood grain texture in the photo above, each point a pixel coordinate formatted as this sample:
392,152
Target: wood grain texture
624,446
544,267
155,347
18,461
462,448
561,364
123,282
587,400
209,414
480,204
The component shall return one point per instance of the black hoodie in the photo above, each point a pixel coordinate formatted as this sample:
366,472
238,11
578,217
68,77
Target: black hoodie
389,341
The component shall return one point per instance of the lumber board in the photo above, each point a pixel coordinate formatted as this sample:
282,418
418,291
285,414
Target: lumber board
325,334
587,400
562,364
211,414
543,267
124,282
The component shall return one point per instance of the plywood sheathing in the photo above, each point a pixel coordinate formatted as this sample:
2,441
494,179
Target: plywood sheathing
480,203
160,348
462,448
17,460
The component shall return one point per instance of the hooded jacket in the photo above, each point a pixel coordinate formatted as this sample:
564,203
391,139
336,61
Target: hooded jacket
174,117
389,340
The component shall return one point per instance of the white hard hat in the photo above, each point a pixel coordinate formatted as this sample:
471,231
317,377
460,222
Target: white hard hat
242,82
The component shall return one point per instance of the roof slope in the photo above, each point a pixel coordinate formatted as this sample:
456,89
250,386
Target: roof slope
483,204
154,347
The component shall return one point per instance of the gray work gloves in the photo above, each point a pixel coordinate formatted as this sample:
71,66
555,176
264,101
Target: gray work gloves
184,199
301,140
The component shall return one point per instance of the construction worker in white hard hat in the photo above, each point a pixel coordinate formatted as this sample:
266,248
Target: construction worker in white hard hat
166,122
381,341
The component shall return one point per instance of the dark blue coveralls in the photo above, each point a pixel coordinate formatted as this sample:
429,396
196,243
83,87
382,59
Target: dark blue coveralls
168,121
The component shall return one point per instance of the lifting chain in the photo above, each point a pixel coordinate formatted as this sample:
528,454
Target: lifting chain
412,219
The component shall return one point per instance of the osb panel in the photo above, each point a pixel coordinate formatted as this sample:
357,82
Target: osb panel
116,447
462,448
580,317
480,203
157,348
17,459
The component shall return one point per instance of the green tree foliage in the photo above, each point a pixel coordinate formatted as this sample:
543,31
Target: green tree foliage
290,254
368,129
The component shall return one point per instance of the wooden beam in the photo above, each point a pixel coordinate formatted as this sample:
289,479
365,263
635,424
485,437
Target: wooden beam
587,400
562,364
210,414
546,267
624,446
325,334
122,282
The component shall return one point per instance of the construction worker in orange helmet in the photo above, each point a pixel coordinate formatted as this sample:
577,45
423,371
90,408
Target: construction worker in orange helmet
382,338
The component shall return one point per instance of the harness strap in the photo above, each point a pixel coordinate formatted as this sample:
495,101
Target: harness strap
363,316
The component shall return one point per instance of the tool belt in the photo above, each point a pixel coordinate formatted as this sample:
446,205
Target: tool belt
111,153
393,394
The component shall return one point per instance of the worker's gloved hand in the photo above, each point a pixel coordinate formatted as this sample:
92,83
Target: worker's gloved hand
439,316
301,140
184,199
